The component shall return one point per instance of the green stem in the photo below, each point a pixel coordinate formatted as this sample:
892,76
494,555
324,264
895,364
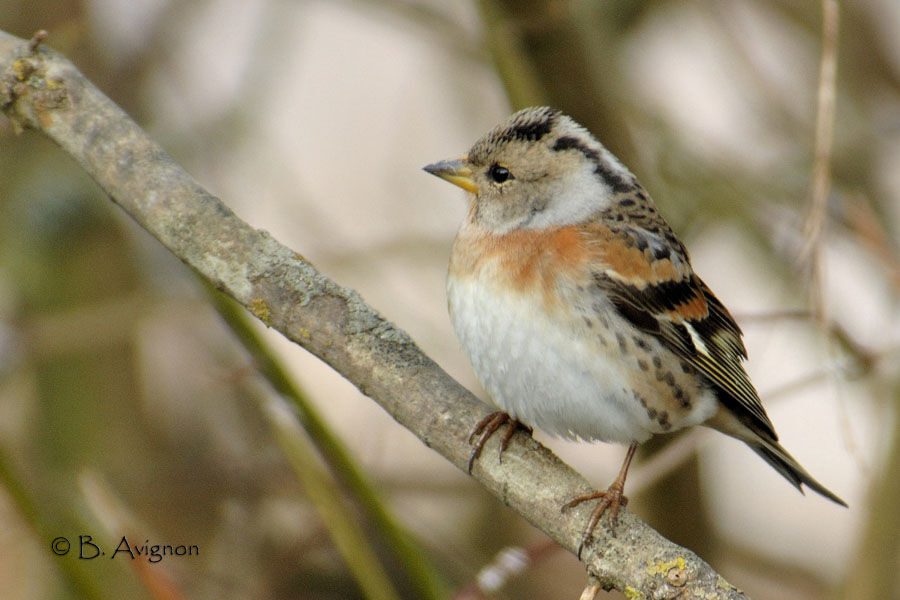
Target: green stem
322,490
422,575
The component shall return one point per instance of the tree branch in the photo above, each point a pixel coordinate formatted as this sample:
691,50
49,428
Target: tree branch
41,90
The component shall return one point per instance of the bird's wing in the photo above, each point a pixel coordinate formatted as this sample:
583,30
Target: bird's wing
651,284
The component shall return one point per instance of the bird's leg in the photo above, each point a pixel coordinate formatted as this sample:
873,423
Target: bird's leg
612,499
487,427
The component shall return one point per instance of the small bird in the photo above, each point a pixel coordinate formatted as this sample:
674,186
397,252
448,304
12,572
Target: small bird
578,307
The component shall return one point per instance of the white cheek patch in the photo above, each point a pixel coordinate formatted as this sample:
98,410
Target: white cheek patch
573,199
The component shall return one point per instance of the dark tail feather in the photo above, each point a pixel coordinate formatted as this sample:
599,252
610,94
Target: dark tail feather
784,463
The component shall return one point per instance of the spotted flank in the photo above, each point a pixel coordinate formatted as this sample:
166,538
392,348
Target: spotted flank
668,301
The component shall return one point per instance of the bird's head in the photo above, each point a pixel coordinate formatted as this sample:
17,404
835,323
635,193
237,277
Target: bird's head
538,169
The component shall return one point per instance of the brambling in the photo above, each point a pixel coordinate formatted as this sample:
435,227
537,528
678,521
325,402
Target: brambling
579,310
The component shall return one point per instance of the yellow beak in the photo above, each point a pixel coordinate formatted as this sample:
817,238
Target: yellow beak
454,171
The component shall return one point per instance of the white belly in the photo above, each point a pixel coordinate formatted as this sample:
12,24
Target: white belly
547,374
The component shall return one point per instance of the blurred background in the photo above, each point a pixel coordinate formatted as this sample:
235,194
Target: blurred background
133,403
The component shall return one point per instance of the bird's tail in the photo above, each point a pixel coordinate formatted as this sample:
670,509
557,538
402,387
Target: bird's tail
784,463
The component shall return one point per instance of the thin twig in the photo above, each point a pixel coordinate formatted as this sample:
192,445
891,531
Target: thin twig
770,316
35,41
592,591
814,229
868,227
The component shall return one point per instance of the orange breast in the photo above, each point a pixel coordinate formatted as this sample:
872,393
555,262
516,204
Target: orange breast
525,261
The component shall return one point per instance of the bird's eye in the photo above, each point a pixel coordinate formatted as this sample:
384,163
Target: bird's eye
499,174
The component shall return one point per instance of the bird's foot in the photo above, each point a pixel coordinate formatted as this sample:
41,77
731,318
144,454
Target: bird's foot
487,427
611,500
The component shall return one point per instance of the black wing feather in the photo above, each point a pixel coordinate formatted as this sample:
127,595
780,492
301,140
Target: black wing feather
720,354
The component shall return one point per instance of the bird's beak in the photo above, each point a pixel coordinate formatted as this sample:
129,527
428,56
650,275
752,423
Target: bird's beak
456,172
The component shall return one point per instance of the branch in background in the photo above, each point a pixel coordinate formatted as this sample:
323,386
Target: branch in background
814,229
41,90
